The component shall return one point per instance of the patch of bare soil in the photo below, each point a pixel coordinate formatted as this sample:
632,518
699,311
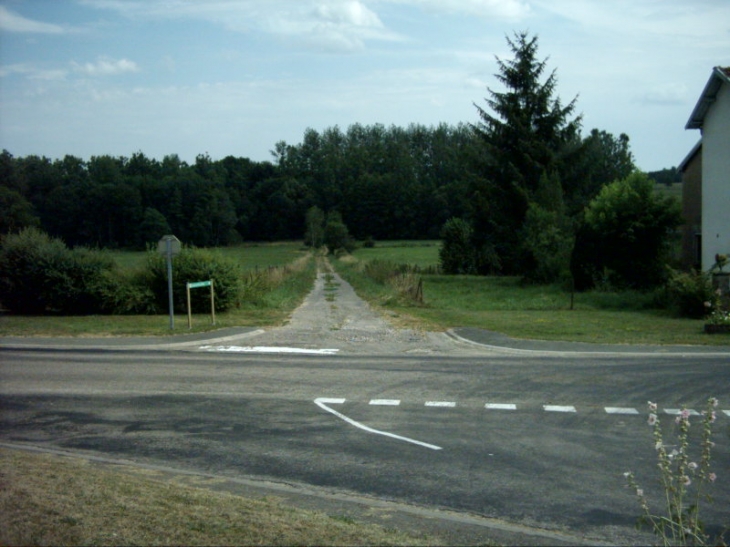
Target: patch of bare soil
334,317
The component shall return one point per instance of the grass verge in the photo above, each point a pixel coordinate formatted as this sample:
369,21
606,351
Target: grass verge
531,312
52,500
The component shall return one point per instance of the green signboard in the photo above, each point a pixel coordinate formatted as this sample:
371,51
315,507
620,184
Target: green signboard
198,284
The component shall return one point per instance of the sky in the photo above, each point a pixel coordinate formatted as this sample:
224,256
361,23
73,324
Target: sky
234,77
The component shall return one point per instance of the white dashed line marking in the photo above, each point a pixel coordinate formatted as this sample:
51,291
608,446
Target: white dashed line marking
385,402
500,406
727,412
559,408
620,410
678,411
442,404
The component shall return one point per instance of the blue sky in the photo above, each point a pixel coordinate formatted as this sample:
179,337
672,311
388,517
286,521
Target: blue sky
233,77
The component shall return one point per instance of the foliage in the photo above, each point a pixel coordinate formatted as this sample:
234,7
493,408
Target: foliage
688,293
547,234
680,523
717,313
530,133
336,235
721,261
666,176
17,212
548,242
314,232
40,274
456,255
193,265
625,235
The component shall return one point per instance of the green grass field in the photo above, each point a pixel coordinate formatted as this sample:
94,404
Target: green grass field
502,304
416,253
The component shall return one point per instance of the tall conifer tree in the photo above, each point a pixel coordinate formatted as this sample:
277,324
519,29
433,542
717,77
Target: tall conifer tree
528,132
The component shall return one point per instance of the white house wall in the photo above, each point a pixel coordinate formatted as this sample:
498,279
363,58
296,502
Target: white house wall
716,179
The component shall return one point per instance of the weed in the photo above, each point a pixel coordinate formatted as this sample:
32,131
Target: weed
680,523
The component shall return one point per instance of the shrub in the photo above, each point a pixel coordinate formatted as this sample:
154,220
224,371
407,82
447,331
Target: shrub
39,274
688,292
456,255
627,230
189,266
336,235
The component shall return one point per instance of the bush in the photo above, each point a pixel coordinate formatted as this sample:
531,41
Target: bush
39,274
193,265
688,292
627,231
336,234
457,255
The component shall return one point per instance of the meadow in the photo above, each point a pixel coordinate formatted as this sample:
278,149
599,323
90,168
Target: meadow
501,304
505,305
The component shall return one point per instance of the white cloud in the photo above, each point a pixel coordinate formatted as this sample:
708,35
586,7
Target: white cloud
12,22
106,67
330,24
503,9
33,72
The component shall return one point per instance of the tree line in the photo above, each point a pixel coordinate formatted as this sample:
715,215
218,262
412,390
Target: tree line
522,173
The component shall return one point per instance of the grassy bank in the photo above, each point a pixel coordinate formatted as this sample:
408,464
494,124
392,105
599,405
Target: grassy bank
287,272
504,305
52,500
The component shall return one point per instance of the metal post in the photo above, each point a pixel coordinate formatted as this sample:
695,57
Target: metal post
168,249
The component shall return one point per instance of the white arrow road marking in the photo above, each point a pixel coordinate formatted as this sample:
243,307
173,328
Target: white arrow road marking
269,349
322,403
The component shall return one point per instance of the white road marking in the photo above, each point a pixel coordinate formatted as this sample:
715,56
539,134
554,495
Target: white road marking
727,412
442,404
620,410
678,411
500,406
323,402
269,349
559,408
384,402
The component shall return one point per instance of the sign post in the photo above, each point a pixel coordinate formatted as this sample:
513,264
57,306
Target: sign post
197,285
169,246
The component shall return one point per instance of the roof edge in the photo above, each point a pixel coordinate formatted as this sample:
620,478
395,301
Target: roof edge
688,158
719,76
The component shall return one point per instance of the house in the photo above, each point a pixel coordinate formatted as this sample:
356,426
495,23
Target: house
706,175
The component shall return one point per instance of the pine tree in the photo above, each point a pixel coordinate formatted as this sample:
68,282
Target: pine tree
528,133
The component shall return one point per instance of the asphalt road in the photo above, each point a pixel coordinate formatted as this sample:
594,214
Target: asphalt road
549,452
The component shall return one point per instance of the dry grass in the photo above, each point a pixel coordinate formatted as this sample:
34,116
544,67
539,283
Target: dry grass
52,500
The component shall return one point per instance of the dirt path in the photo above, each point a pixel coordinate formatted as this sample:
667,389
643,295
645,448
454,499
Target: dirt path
334,317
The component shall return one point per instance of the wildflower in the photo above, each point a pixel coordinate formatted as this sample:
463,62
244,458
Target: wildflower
692,465
714,402
652,406
684,479
685,414
658,445
652,419
708,304
712,477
